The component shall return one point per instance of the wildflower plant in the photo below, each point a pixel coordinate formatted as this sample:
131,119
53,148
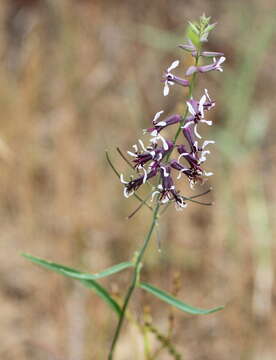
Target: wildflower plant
162,163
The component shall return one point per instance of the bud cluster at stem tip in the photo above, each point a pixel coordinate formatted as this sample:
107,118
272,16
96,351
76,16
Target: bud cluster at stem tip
154,160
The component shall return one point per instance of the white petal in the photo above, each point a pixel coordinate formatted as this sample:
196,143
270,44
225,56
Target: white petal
180,173
173,66
145,176
181,155
221,60
208,173
190,108
131,154
200,105
154,133
165,145
127,194
157,115
142,145
166,174
159,157
161,123
203,156
208,122
202,100
122,179
207,142
154,139
135,147
166,89
187,124
180,206
196,132
207,95
192,184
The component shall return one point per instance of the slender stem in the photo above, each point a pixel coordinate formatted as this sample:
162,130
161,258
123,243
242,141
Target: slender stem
135,277
139,207
137,266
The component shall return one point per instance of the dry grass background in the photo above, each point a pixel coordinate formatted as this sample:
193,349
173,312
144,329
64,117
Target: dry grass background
79,77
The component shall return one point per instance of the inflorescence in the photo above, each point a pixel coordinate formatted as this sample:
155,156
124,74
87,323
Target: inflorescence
154,160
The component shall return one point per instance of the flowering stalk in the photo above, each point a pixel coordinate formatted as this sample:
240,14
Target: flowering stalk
154,163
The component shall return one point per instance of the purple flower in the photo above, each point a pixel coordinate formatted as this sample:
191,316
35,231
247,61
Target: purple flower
194,158
216,65
169,79
190,47
158,126
191,157
211,54
154,159
151,153
182,169
166,190
196,108
209,104
194,172
190,139
133,185
203,153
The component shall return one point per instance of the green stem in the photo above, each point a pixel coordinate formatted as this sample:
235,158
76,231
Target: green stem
137,266
135,277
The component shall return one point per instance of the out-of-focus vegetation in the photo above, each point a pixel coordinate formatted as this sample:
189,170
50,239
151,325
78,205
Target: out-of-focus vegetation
78,77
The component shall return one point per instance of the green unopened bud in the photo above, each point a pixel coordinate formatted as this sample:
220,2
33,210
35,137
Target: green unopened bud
198,32
193,33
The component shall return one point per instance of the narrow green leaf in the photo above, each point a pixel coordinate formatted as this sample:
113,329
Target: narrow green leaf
210,27
87,280
101,292
175,302
194,28
75,274
192,35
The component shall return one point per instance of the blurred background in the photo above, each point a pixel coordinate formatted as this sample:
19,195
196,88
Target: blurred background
80,77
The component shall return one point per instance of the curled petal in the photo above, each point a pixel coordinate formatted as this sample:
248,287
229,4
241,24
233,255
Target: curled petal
196,132
208,122
207,142
190,108
122,179
157,116
173,66
131,154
